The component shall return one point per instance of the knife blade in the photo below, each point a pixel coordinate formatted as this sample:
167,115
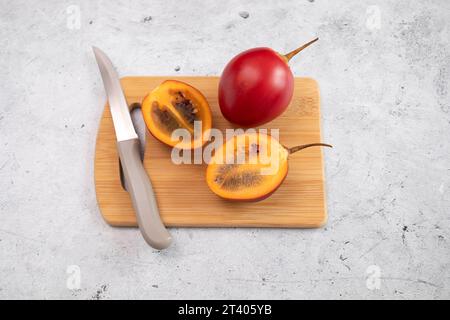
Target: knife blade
138,182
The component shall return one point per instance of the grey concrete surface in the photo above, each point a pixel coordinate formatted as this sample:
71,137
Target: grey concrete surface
383,68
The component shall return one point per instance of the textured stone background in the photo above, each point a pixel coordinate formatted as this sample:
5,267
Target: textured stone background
384,70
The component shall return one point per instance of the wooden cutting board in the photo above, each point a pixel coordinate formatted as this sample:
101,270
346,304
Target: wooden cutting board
184,198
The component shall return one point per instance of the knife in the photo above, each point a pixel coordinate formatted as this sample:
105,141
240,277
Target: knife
138,183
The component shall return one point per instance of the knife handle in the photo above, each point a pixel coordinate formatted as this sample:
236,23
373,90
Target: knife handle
142,195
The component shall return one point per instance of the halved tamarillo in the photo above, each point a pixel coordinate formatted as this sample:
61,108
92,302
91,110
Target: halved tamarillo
250,166
176,105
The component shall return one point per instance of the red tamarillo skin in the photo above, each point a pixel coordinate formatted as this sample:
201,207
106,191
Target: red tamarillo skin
256,86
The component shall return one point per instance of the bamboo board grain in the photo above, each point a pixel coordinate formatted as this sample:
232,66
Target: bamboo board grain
184,198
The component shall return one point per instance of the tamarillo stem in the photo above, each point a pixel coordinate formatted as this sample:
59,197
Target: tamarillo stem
304,146
289,55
